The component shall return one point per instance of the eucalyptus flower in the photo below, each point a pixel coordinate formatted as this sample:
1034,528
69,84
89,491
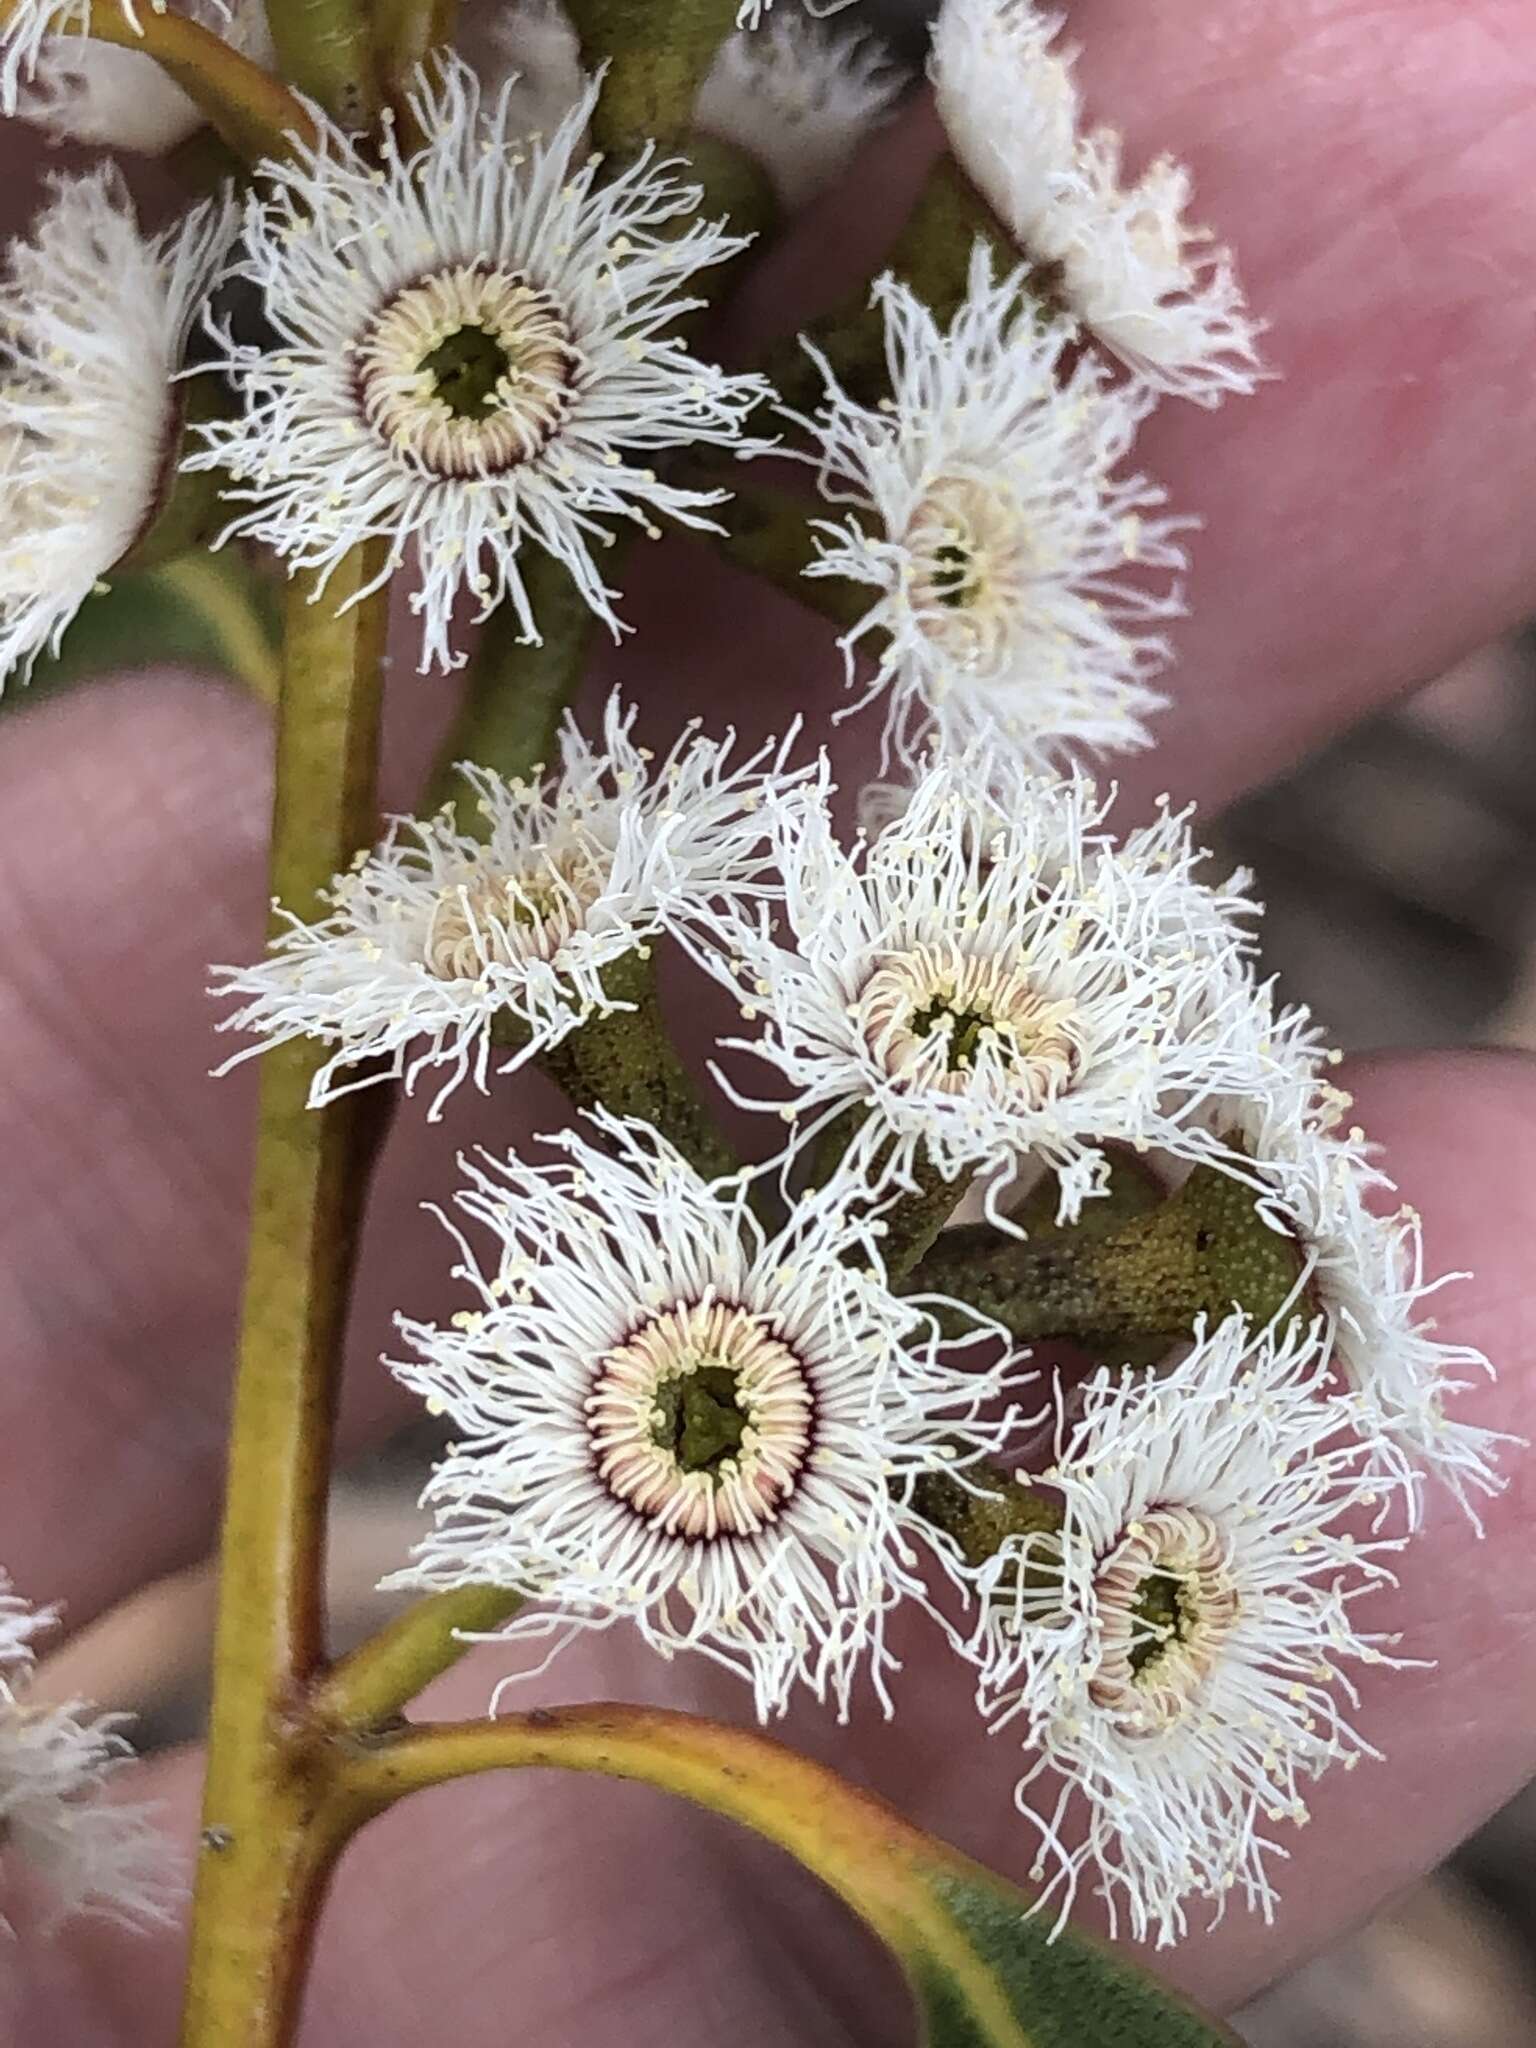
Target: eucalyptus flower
96,1855
82,90
1320,1183
800,97
1022,570
988,979
1155,291
450,949
94,319
1177,1656
671,1417
473,353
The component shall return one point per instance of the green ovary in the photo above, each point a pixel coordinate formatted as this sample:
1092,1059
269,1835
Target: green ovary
1159,1605
701,1421
466,368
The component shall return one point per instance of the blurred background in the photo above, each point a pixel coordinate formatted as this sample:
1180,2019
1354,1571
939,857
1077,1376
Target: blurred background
1418,832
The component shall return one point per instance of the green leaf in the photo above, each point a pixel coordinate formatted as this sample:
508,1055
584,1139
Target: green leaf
993,1980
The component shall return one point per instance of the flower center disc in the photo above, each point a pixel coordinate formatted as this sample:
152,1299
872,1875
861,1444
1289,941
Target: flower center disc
468,372
701,1422
936,1014
973,562
504,920
1166,1603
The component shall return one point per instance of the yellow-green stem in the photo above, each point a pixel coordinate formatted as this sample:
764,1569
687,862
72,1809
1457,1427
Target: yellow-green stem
979,1969
325,48
372,1684
657,56
745,1777
518,692
264,1849
518,689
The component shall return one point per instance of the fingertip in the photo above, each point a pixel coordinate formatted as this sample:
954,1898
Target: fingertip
140,763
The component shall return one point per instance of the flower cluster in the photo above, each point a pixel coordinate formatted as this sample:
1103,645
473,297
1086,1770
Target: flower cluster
730,1433
745,1370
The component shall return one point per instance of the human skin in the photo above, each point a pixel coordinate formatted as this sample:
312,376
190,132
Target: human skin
1368,520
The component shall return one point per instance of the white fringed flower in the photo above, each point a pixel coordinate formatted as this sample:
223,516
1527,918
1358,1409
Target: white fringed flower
671,1418
438,935
471,354
1021,570
800,98
1152,289
990,977
96,1855
20,1625
1321,1185
1176,1654
752,12
1399,1374
85,91
94,318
